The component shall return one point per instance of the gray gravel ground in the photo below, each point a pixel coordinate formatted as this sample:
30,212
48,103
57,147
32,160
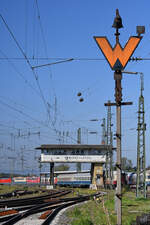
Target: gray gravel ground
31,220
61,218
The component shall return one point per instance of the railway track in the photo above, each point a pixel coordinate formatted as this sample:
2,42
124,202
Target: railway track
31,200
17,193
50,208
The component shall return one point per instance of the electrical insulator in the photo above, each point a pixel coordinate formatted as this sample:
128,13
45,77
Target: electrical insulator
81,99
79,94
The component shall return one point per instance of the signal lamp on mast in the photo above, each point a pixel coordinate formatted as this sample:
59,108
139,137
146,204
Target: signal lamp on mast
117,21
140,30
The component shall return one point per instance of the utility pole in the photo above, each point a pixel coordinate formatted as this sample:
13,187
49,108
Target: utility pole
140,184
141,128
118,58
40,167
78,164
12,166
103,142
13,140
22,158
52,174
109,156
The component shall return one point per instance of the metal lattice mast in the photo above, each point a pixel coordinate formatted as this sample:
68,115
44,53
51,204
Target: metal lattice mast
141,185
109,142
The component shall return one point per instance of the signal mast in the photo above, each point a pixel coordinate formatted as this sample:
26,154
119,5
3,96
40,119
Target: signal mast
141,128
140,181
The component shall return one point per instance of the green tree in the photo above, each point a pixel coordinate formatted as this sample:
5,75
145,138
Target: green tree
126,164
62,167
78,166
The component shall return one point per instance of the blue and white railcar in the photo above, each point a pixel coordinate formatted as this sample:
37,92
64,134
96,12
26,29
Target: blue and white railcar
74,179
19,180
131,178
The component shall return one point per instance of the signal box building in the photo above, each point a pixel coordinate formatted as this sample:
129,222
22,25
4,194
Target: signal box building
94,154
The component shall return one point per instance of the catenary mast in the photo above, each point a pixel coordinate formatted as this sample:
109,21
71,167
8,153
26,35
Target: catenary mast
140,184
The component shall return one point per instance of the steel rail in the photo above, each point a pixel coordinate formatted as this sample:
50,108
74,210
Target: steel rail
17,193
41,203
31,201
33,210
58,209
49,206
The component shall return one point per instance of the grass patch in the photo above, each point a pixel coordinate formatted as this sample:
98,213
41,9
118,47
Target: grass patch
94,212
8,188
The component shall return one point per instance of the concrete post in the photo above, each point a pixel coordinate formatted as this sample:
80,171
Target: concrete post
52,174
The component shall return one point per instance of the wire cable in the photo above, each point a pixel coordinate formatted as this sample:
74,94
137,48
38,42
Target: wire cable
21,50
35,120
20,74
34,73
59,58
46,53
42,31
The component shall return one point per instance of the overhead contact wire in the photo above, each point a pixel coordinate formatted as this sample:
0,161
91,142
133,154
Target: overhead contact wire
34,73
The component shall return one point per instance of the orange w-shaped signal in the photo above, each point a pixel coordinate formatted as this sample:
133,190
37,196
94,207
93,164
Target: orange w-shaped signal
117,57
